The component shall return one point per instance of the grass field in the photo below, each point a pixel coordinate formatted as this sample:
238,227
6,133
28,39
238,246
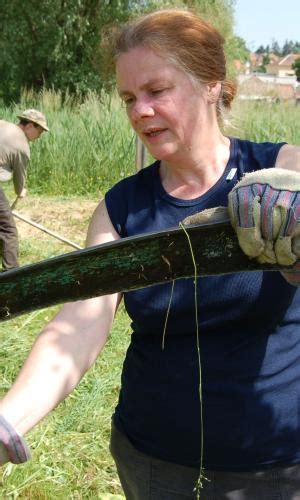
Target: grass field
89,148
70,447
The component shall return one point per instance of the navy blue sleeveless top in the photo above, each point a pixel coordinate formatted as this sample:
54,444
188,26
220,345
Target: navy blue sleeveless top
249,328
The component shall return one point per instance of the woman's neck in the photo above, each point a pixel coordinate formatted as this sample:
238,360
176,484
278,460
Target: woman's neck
198,172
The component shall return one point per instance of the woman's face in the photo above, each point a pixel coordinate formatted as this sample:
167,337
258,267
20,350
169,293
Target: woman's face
165,109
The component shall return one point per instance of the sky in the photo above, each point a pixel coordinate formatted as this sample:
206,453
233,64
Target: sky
259,22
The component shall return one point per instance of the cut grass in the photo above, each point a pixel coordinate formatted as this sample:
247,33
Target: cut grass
70,455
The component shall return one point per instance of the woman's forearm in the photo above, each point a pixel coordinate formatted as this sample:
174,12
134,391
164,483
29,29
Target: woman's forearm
61,355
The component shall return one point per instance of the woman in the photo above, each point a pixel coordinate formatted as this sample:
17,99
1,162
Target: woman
171,76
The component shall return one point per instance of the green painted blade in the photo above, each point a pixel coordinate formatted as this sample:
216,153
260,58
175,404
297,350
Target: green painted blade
126,264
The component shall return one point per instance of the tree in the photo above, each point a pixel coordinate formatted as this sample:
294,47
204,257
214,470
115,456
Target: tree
296,67
275,48
52,43
238,49
260,50
55,43
287,48
262,68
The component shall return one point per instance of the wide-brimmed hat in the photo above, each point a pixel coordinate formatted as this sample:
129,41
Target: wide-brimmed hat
34,116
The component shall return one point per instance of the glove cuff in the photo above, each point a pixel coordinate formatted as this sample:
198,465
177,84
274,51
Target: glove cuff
278,178
16,447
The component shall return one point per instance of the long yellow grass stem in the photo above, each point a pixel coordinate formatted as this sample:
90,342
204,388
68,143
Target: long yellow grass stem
167,316
201,471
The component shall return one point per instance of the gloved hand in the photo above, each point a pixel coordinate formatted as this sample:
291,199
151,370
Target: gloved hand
13,448
264,209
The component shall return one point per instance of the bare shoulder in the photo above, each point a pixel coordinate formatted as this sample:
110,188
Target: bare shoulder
289,157
101,229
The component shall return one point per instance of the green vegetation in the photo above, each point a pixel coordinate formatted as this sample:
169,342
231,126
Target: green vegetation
266,121
91,145
55,43
296,67
58,44
288,47
70,452
71,459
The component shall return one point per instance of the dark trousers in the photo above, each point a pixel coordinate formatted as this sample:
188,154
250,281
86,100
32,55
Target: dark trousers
147,478
8,235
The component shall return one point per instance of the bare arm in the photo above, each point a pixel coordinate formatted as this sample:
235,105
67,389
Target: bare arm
20,162
65,349
289,158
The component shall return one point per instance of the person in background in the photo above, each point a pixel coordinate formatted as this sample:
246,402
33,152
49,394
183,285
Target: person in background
14,157
241,429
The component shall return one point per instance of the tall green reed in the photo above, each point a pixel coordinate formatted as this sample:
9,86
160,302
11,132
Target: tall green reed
266,121
90,145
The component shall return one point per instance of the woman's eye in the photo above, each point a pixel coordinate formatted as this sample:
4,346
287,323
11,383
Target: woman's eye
127,101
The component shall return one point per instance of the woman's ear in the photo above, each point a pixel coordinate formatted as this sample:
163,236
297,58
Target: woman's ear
213,91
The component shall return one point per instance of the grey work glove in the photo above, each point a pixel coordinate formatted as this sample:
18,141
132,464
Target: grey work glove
13,447
264,208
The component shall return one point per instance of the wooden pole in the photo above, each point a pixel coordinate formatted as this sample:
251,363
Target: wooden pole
15,203
42,228
140,154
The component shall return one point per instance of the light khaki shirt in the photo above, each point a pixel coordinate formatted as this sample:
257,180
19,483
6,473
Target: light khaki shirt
14,155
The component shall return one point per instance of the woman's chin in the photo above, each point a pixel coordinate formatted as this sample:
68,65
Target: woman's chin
165,154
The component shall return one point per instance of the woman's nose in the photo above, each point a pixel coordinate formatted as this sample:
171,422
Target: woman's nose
141,108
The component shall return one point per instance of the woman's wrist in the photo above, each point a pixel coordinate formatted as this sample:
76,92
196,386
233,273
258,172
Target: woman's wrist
13,444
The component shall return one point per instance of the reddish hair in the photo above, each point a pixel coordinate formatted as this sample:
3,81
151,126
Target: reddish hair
187,41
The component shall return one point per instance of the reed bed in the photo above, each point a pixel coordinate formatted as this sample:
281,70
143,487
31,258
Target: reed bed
91,145
266,121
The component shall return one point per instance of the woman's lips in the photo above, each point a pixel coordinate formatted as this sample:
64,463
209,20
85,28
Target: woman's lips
154,132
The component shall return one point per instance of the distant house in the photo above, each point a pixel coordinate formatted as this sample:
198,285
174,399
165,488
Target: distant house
276,66
260,86
258,60
274,58
252,88
282,67
255,60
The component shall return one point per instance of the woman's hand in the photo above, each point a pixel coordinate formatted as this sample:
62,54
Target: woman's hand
13,448
264,209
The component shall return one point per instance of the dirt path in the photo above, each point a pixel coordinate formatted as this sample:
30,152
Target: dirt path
67,217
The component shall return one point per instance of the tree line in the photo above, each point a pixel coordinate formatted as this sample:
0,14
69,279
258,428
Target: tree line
57,44
288,47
